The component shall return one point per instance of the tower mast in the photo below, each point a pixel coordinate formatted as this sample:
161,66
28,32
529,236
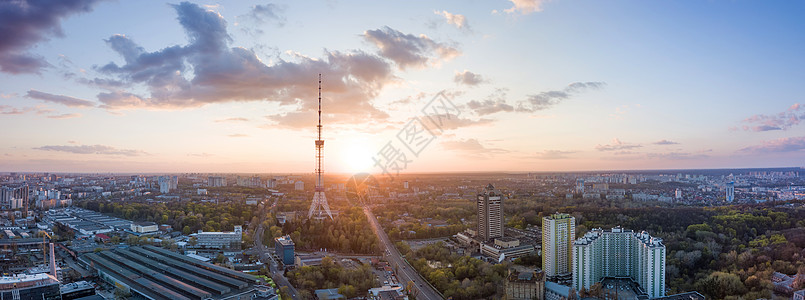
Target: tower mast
319,204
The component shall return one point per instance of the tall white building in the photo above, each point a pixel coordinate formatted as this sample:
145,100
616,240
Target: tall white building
730,191
620,253
165,184
489,208
558,234
216,181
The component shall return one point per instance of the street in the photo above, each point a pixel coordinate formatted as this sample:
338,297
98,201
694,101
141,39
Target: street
277,274
405,273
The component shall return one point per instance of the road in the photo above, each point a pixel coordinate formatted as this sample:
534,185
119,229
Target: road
277,274
405,272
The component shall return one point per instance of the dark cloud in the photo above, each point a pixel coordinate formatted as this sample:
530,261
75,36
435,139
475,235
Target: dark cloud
553,154
59,99
548,99
23,23
781,121
788,144
617,145
207,71
468,78
93,149
408,50
665,142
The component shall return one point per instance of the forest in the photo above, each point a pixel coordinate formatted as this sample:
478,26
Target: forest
351,282
722,252
347,233
456,276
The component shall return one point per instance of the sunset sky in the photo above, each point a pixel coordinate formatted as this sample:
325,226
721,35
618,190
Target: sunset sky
560,85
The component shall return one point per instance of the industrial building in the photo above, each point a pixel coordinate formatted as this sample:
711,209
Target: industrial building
156,273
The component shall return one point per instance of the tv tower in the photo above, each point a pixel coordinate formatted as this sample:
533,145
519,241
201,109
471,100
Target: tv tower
319,204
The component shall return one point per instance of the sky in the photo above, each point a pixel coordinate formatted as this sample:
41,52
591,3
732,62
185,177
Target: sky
407,86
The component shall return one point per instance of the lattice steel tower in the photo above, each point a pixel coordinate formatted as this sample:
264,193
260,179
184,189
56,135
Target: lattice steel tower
319,204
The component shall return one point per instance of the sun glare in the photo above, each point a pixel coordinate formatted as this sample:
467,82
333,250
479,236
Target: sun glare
356,157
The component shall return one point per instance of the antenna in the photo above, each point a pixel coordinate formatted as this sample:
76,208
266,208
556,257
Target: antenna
319,204
319,147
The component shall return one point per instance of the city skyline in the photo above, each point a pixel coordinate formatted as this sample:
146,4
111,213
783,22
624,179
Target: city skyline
540,85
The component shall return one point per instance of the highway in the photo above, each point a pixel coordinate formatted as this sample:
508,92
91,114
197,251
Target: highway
404,271
265,257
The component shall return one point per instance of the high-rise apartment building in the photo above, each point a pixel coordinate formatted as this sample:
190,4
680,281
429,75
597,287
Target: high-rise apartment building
216,181
579,186
730,191
558,234
489,208
620,253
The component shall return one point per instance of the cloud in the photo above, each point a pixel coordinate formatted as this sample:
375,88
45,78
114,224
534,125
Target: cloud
495,102
408,50
468,78
25,23
525,7
781,121
665,142
788,144
675,155
449,122
208,71
203,154
553,154
236,119
268,13
59,99
65,116
10,110
93,149
460,21
8,96
237,135
548,99
409,99
617,145
472,147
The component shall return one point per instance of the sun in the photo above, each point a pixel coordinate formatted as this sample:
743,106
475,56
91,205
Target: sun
356,156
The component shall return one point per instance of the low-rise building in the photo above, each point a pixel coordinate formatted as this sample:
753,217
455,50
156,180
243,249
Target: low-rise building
525,285
308,260
219,240
144,227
